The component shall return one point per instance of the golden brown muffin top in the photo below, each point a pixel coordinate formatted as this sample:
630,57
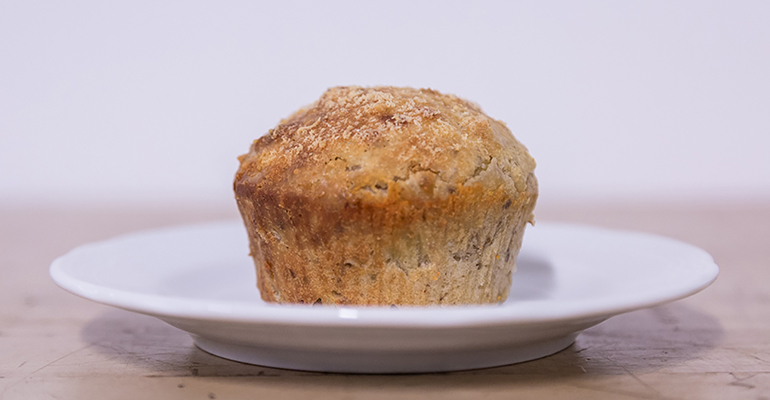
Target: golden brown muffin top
378,142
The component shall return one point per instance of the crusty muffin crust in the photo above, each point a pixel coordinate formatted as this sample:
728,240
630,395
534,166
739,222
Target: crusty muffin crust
386,196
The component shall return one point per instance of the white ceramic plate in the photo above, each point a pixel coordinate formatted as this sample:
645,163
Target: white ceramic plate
200,279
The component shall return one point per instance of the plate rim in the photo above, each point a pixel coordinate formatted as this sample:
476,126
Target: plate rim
180,308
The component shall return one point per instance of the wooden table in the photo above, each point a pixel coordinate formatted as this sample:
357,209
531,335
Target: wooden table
714,345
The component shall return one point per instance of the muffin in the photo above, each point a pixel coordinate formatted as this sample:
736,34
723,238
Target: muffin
386,196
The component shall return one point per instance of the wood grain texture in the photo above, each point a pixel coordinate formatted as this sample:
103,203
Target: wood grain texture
714,345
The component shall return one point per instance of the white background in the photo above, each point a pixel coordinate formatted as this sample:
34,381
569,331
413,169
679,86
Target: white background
115,102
